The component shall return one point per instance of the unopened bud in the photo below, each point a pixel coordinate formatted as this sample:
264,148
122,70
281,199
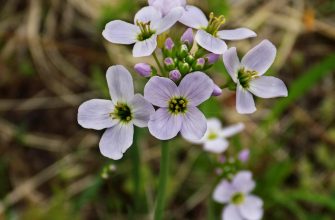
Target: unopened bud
174,75
169,44
217,91
211,58
184,67
199,64
187,37
169,63
183,52
189,59
244,155
143,69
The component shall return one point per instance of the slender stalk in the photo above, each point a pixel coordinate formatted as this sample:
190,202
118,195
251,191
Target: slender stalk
163,178
158,63
135,156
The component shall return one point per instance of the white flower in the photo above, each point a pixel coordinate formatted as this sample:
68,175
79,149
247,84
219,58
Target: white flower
241,205
148,24
165,6
178,106
248,75
214,139
118,115
208,35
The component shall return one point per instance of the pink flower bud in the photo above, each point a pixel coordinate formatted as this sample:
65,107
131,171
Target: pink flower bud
212,58
187,37
169,44
143,69
244,155
174,75
217,91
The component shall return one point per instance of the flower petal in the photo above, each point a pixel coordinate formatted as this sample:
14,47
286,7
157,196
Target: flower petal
194,124
217,146
169,20
213,124
193,17
164,125
146,47
147,14
252,208
260,58
159,90
245,103
232,130
268,87
196,87
94,114
142,110
120,32
116,140
243,182
120,84
223,192
210,43
231,212
231,62
236,34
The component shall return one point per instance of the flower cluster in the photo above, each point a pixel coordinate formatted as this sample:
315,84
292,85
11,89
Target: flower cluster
178,85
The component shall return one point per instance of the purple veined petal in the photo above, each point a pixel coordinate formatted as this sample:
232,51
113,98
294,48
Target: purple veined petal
193,17
268,87
231,62
164,125
196,87
245,103
231,212
236,34
232,130
243,182
116,140
148,14
194,124
120,32
210,43
213,124
251,208
146,47
94,114
216,146
159,90
169,20
120,84
142,110
260,58
223,192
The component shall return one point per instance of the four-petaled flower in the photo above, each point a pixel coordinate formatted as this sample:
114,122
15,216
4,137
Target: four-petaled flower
118,115
236,194
178,106
165,6
209,35
149,23
248,75
214,139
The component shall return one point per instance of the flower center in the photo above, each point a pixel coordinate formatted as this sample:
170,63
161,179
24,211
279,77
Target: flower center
212,136
146,32
178,105
214,24
122,112
245,76
238,198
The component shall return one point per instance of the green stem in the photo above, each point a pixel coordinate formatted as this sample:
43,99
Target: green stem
163,178
136,170
158,63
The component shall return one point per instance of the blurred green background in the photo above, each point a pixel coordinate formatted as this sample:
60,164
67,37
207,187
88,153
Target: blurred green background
53,57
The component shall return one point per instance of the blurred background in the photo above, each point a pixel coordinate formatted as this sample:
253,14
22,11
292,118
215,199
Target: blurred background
53,57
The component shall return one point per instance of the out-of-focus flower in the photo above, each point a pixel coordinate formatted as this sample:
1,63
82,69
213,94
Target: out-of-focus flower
175,75
241,205
165,6
248,76
244,155
209,35
118,115
217,91
178,106
214,139
148,24
143,69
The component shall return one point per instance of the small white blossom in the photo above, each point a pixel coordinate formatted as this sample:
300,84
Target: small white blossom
118,115
241,205
165,6
248,75
215,138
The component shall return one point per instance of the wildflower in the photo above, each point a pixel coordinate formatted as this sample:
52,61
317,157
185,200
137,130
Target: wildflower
214,139
149,23
178,106
118,115
248,76
209,35
241,205
143,69
165,6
